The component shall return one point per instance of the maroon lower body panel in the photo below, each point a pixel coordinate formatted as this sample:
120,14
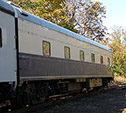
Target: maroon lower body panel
38,66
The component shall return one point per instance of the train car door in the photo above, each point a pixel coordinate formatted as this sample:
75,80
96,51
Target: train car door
7,47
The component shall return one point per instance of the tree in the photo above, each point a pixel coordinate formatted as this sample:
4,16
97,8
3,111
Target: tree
86,16
80,16
26,5
118,45
51,10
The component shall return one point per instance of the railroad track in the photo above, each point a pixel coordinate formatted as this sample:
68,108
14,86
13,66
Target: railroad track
55,100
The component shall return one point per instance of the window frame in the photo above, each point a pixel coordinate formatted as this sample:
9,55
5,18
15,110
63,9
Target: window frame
108,61
92,58
81,56
101,59
65,55
49,48
0,38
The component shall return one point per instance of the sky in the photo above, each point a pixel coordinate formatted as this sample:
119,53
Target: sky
115,13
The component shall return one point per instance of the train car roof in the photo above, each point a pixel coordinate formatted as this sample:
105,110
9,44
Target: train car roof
50,25
6,7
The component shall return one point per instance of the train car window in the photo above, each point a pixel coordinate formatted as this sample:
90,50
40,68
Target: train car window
0,37
46,48
92,57
67,52
101,59
108,61
81,55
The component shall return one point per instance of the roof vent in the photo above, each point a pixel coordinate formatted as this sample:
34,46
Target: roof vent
23,13
18,7
11,3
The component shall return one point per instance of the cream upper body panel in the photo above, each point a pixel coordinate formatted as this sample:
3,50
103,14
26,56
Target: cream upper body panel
31,36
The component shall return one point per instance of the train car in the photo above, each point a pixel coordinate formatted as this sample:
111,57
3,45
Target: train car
40,59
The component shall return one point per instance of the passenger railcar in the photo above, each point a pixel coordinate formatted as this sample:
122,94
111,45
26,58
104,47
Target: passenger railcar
40,59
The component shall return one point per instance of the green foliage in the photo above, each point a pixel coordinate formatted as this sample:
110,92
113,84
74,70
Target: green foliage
51,10
24,4
118,45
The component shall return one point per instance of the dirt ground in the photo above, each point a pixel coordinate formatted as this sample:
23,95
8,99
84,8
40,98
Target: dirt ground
108,101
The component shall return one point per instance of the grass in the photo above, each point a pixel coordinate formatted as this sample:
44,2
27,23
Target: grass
118,78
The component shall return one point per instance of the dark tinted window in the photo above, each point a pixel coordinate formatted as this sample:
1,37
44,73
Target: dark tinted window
67,52
0,37
101,59
92,57
46,48
108,61
81,55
